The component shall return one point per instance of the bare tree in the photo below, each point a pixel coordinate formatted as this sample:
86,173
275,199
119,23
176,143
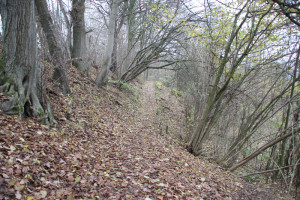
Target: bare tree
234,54
107,61
290,9
60,71
157,47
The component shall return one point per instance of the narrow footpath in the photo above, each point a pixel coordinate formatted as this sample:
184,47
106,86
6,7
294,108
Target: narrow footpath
108,147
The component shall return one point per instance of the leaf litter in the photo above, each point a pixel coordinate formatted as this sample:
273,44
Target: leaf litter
105,146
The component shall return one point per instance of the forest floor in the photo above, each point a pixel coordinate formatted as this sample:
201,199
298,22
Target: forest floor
109,144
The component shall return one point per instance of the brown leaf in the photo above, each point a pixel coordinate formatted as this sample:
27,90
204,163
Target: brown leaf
160,197
18,195
43,193
124,184
70,178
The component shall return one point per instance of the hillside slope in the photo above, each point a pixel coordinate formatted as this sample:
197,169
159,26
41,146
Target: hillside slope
106,146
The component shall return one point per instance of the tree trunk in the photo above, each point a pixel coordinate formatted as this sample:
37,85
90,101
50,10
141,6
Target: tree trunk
130,24
114,57
214,103
283,151
20,69
60,71
69,28
79,49
114,65
107,61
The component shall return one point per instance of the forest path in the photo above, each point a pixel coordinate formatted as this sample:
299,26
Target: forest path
109,148
162,110
189,172
148,106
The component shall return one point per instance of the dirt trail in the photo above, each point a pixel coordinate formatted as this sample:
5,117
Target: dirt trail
105,151
147,111
159,153
148,96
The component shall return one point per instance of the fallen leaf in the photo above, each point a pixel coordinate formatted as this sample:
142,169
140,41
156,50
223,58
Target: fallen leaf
70,178
43,194
161,184
5,176
18,195
39,132
124,184
77,179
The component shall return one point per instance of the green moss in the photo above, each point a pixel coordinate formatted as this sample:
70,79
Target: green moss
7,85
191,116
41,112
127,86
2,65
20,108
16,110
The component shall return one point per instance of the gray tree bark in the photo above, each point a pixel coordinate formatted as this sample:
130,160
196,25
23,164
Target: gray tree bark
20,68
118,27
130,24
79,49
60,71
69,28
107,61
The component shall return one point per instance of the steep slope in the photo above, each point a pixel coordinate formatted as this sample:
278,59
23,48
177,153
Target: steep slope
105,146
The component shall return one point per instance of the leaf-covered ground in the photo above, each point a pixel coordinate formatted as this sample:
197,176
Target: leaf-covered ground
106,146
